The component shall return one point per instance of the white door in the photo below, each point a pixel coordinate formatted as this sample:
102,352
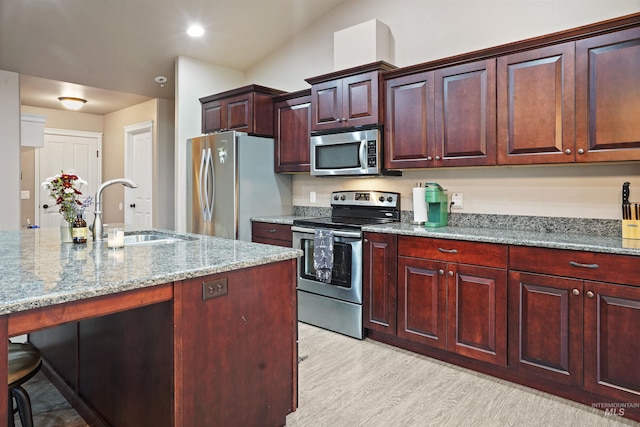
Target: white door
66,150
139,168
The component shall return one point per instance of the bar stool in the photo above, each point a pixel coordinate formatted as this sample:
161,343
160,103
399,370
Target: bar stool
24,362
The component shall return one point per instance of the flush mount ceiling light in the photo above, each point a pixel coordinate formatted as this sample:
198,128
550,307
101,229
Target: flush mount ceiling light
71,103
195,30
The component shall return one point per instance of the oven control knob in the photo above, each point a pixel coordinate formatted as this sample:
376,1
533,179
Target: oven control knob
381,198
389,199
335,197
343,198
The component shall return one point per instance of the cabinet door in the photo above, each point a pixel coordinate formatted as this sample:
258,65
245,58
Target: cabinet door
326,105
360,99
477,312
239,112
465,114
292,127
608,97
409,123
379,281
545,327
536,108
611,341
422,294
212,116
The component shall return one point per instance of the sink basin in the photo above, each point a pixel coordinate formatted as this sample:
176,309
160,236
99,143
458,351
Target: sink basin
152,238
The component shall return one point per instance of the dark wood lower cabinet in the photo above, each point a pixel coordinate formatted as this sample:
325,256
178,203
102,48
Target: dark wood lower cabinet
379,278
238,357
545,326
195,360
561,321
611,344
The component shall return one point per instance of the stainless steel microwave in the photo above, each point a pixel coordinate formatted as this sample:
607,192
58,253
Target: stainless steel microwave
347,153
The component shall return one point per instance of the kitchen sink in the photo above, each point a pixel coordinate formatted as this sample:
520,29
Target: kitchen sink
152,238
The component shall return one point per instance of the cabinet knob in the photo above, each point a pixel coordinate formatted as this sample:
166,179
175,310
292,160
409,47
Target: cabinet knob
366,240
441,272
429,158
343,120
580,151
590,294
575,291
568,151
437,157
450,273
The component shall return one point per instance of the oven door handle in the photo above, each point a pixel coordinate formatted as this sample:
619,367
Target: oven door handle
338,233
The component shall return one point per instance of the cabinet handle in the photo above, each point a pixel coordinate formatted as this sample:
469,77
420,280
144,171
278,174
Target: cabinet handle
366,240
580,151
441,272
448,251
577,264
271,230
450,273
590,294
437,157
575,291
568,151
343,120
429,158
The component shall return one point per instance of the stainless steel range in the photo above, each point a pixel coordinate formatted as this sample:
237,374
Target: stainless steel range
336,304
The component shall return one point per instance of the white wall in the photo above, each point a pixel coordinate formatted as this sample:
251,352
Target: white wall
425,30
194,80
10,148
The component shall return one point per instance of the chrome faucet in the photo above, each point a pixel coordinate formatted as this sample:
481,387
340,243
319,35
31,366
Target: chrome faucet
97,220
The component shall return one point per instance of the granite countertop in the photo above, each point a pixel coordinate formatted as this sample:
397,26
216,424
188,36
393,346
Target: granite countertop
555,240
571,241
38,270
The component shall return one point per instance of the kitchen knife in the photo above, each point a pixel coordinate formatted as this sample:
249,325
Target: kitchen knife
626,211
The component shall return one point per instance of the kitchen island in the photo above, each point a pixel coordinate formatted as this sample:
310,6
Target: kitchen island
196,331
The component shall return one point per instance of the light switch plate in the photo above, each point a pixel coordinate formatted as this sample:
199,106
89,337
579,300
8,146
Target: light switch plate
25,194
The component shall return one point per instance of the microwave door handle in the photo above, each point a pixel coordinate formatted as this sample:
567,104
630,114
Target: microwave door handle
363,154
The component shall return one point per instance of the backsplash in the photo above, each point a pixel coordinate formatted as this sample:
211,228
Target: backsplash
543,224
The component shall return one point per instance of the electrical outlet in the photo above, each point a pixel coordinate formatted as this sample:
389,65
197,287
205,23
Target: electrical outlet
312,196
456,201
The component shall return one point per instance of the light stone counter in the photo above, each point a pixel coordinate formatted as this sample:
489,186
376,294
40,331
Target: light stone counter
571,241
37,270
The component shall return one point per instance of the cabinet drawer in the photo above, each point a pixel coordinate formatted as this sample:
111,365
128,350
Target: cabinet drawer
621,269
486,254
271,231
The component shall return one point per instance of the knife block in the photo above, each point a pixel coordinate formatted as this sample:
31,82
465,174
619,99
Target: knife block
631,222
631,229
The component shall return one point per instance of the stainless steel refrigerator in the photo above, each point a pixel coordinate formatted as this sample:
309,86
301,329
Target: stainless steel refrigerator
231,179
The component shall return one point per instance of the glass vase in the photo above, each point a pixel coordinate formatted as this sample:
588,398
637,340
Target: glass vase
65,231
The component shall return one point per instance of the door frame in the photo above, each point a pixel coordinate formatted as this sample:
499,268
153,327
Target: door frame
129,132
63,132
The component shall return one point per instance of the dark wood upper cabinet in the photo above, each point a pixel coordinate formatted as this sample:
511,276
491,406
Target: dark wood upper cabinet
608,97
465,113
347,98
409,121
445,117
536,108
292,114
246,109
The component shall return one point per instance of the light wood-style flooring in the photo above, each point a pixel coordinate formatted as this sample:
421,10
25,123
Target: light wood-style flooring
344,382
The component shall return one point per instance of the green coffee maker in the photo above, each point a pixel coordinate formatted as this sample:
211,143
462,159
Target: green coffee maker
436,198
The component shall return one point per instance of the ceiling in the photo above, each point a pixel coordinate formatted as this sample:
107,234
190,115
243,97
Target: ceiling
110,51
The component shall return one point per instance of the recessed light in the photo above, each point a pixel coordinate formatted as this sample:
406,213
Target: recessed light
195,30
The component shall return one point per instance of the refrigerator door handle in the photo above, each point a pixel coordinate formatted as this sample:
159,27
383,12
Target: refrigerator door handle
206,202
